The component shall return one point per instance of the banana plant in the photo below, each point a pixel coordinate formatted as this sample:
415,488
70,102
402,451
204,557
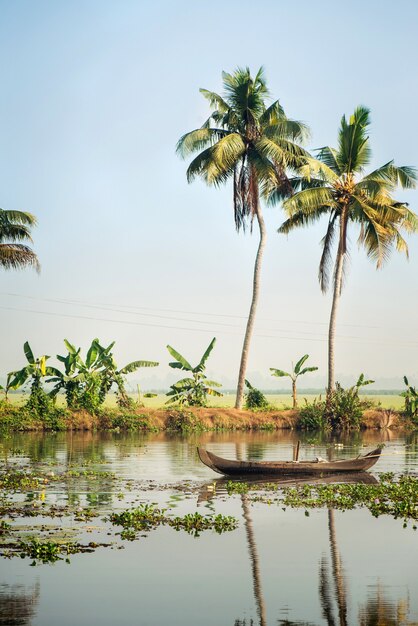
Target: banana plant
33,372
192,391
411,399
294,374
86,382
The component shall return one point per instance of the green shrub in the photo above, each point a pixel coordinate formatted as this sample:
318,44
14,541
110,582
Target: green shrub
344,409
184,422
254,398
311,416
130,421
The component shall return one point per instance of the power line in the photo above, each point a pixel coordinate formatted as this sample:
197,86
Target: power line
104,306
200,330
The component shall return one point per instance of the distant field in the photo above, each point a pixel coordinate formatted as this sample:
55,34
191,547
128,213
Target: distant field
279,401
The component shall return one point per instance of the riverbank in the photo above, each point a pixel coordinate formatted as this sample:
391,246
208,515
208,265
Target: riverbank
183,420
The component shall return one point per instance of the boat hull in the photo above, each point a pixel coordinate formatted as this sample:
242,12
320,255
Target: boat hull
287,468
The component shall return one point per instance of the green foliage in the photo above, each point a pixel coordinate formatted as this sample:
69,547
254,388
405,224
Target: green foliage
245,141
148,517
254,398
184,422
296,372
192,391
411,400
86,382
344,408
334,185
124,420
311,416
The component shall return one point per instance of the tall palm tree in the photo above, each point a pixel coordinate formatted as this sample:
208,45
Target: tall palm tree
14,228
254,145
335,185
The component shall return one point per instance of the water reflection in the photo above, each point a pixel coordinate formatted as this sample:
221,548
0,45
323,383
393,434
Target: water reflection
17,604
380,611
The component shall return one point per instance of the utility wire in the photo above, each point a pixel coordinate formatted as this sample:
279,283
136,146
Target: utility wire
200,330
104,306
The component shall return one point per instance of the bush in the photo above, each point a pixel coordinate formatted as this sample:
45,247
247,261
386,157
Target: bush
344,409
130,421
254,398
184,422
311,416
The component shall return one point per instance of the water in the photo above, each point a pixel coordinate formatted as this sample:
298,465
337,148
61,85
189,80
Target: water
278,567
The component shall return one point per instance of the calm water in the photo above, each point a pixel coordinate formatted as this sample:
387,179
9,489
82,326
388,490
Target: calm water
278,567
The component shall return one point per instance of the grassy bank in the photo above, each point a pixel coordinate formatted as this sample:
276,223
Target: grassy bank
183,420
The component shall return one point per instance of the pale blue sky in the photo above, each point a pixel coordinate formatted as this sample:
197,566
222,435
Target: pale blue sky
94,98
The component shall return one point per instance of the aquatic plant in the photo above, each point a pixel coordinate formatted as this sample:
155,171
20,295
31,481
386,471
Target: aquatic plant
294,375
148,517
390,496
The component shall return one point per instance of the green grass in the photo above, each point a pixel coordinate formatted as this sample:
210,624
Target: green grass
277,401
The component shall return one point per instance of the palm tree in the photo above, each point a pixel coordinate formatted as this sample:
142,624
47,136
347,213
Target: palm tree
14,228
254,145
334,185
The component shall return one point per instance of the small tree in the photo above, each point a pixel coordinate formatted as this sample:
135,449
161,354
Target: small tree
86,382
296,372
192,391
254,398
32,373
411,399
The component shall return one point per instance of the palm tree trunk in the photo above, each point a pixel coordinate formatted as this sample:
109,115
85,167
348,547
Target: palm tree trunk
295,401
338,279
253,307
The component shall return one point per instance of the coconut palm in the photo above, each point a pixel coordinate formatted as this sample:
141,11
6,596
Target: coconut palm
14,228
335,185
254,145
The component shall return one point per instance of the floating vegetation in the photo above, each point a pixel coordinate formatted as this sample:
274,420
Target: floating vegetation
148,517
388,497
50,551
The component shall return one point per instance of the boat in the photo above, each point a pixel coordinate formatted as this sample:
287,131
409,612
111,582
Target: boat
318,467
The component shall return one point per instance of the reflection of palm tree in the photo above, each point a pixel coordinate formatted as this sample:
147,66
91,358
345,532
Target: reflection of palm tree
337,571
16,605
252,549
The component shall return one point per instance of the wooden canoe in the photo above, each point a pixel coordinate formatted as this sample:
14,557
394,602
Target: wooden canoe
287,468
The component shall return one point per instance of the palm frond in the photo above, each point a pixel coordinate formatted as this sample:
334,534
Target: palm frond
18,217
301,219
329,157
353,142
325,263
314,168
272,114
14,256
215,100
198,140
310,200
284,128
228,151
